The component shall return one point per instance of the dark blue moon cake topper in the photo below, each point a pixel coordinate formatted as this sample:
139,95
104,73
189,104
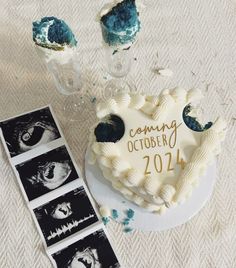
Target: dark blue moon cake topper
111,129
191,122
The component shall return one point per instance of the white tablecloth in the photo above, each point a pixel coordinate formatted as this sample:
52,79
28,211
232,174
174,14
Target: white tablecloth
195,39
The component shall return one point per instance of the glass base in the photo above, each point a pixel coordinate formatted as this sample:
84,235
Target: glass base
76,107
114,86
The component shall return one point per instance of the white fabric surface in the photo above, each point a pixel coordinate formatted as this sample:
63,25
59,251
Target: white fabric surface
196,39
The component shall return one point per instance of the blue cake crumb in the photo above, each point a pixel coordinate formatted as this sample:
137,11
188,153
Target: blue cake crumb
105,220
121,24
53,33
114,214
128,230
126,221
192,122
130,213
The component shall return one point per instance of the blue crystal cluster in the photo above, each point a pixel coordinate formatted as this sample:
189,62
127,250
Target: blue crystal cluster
192,122
53,33
121,24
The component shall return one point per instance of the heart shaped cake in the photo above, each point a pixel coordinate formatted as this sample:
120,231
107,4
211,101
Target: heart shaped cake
153,149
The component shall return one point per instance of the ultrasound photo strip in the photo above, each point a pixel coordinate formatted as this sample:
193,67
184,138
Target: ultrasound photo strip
46,166
65,215
46,172
93,251
29,131
57,197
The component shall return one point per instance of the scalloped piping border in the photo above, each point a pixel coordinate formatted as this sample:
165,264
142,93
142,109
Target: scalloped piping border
143,190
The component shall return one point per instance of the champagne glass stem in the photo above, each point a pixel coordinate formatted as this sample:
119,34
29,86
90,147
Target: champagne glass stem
65,68
118,66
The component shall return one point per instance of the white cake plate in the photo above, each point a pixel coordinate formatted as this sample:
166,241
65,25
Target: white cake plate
104,194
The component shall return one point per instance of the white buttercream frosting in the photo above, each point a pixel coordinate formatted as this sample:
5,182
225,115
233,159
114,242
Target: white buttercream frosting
59,56
110,149
156,191
134,176
105,211
151,185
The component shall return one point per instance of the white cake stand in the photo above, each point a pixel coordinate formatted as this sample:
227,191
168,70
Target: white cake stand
104,194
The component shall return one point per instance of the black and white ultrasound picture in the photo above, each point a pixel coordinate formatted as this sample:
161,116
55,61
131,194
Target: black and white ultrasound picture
65,215
93,251
46,172
29,131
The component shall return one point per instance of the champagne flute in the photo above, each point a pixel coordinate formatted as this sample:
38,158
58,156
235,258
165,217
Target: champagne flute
118,62
120,24
57,47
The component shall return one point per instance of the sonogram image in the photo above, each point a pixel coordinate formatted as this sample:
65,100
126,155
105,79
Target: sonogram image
46,172
26,132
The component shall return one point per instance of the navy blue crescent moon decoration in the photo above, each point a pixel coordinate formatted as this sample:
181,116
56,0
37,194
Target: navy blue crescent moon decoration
191,122
111,129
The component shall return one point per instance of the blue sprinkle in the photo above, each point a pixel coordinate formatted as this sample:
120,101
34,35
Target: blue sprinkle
130,213
123,202
128,230
105,220
114,214
126,221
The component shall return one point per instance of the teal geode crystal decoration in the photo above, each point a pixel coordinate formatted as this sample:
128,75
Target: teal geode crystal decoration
53,33
121,24
191,122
